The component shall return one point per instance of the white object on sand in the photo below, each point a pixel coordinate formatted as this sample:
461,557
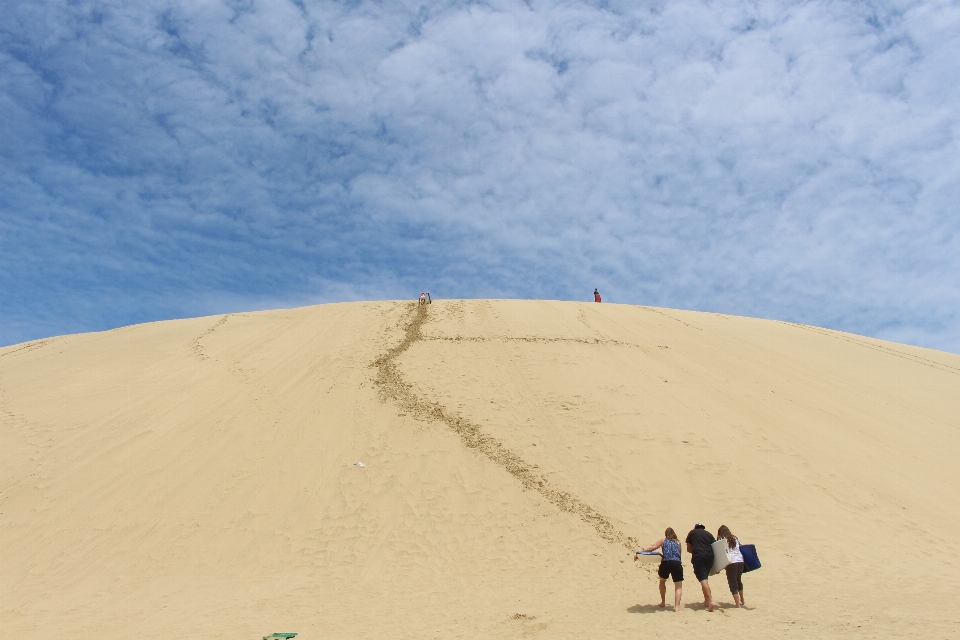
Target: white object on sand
720,559
649,557
360,464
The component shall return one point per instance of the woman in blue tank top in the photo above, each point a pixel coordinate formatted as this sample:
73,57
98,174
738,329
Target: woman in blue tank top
669,566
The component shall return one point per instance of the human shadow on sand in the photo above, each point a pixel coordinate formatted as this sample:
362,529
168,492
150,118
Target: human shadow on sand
648,608
699,606
695,606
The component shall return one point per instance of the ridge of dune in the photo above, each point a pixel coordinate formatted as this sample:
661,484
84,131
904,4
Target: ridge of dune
198,476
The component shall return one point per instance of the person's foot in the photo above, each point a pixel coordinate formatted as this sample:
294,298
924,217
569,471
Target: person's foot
711,606
662,605
676,609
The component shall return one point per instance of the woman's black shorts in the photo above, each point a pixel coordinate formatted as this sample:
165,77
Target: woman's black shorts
671,568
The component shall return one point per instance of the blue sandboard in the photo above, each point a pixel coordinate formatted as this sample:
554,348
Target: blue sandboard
751,560
649,556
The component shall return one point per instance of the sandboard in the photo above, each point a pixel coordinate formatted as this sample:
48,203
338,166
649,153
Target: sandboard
649,557
751,561
720,559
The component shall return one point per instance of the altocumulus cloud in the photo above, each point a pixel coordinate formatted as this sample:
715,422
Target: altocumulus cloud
796,160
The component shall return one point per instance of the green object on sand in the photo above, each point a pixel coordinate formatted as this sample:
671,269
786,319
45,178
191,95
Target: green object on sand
280,636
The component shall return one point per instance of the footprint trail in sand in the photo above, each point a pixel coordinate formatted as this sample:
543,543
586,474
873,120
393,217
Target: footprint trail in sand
393,387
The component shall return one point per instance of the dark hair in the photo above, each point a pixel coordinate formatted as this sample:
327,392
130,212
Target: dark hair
699,526
670,534
725,532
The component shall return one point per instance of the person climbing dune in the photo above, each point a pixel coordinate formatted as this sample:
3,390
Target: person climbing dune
735,568
698,546
670,567
596,296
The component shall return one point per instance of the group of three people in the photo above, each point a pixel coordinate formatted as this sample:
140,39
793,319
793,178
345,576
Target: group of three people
699,545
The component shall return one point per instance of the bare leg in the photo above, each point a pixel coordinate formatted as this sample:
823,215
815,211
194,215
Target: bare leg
677,592
742,603
663,593
707,596
736,600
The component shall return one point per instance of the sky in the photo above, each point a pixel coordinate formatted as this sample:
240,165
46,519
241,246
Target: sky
789,160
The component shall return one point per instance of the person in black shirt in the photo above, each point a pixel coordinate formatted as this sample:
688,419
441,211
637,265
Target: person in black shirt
698,546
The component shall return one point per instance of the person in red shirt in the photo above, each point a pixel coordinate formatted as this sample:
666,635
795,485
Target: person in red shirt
596,296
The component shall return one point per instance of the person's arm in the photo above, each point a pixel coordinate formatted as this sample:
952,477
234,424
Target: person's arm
652,547
656,545
689,550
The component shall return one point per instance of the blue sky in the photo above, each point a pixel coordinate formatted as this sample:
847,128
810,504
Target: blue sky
790,160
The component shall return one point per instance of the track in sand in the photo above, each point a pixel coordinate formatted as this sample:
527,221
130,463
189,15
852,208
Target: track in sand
393,387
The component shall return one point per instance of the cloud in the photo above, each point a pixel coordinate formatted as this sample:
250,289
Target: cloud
788,160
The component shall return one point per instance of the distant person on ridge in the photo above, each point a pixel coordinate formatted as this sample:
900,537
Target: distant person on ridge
669,566
596,296
698,545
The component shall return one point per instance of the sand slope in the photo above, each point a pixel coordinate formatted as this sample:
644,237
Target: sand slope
196,478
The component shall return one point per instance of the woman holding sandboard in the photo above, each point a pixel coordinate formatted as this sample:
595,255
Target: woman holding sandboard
669,566
735,568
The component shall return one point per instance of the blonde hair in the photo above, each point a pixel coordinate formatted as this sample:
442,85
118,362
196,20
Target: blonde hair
670,534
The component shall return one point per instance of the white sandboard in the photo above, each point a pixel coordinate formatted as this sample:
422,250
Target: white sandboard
720,559
649,557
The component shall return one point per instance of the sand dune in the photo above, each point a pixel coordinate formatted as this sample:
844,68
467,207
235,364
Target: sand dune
197,478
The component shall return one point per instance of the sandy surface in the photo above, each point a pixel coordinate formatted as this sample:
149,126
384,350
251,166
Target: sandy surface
197,478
